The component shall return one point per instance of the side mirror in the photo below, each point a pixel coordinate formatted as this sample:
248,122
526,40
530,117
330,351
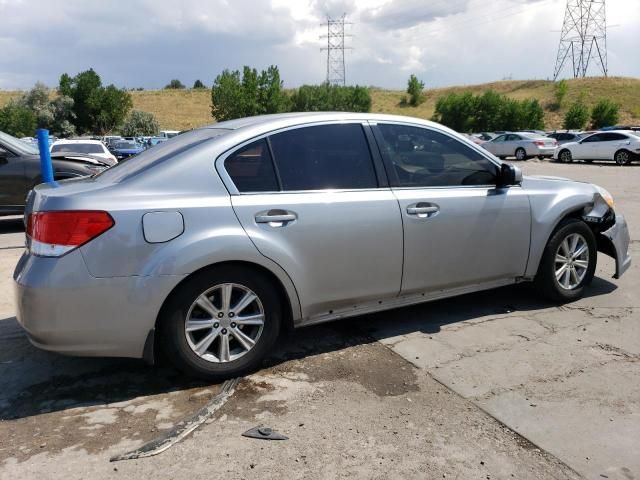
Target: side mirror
3,156
509,175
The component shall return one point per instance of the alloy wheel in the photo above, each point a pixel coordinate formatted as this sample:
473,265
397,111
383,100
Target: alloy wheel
622,158
520,154
572,261
565,156
224,323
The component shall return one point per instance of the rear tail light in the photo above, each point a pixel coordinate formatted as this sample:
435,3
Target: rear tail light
52,234
540,143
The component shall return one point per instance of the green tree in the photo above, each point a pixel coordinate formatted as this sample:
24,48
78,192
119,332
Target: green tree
577,115
175,84
414,89
605,113
140,123
532,115
95,108
456,111
235,95
17,120
111,106
560,90
198,85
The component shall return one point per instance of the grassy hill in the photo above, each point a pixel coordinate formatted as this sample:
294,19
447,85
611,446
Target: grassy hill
183,109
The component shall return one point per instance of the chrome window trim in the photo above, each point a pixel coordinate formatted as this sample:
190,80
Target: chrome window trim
233,190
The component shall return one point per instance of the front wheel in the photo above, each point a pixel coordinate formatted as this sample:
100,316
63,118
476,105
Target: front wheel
568,262
221,323
565,156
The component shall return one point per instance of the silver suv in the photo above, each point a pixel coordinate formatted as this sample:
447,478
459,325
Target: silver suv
209,245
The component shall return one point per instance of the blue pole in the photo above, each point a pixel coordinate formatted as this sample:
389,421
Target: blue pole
45,157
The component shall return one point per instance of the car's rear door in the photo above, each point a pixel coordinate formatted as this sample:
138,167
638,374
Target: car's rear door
610,143
460,230
324,213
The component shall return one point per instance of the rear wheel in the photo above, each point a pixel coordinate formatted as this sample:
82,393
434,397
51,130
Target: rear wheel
622,157
568,262
221,323
565,156
521,154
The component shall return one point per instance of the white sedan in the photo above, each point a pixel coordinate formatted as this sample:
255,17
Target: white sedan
91,147
620,146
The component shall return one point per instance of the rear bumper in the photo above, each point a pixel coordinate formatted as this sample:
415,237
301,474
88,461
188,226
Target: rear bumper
615,243
65,309
542,151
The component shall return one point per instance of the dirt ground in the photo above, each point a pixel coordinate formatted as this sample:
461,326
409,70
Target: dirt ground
491,385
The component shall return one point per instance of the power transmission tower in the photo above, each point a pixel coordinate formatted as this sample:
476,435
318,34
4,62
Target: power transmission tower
335,49
583,38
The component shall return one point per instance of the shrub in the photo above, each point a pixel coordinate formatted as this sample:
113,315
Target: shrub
175,84
235,95
577,115
414,89
560,90
17,120
605,113
140,123
198,85
490,111
326,97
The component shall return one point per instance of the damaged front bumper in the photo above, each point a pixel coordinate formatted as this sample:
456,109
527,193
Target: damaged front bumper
614,242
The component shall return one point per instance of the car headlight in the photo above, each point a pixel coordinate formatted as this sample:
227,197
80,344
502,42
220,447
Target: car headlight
606,196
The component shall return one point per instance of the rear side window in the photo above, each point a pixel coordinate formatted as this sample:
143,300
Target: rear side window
251,168
425,158
324,157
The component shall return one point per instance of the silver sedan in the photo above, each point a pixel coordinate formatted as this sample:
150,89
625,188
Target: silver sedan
211,244
522,145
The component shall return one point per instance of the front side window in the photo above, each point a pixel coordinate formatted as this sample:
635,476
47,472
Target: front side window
425,158
593,138
251,168
324,157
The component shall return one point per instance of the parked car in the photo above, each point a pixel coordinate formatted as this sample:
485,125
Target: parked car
126,149
566,137
153,141
169,133
91,147
522,145
20,171
621,146
209,245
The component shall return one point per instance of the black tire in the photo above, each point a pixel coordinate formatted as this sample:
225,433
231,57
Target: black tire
546,282
521,154
173,316
622,157
565,156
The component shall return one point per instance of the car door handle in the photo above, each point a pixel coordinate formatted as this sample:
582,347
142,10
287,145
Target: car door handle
277,218
423,210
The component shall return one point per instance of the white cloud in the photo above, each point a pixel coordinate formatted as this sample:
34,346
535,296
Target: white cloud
147,42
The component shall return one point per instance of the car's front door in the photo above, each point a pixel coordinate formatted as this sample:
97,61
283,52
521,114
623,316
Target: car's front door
460,230
324,214
588,148
13,189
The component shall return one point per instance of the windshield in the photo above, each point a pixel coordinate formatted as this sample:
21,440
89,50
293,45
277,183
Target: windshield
77,148
17,145
160,153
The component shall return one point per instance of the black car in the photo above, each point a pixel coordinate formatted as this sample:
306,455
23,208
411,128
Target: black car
20,171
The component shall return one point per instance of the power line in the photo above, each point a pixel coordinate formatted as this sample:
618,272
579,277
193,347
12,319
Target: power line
335,48
583,38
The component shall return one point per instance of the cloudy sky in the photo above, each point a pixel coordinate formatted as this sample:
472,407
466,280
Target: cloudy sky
145,43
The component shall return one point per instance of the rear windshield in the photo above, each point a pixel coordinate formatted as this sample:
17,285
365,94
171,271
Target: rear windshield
158,154
77,148
126,145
